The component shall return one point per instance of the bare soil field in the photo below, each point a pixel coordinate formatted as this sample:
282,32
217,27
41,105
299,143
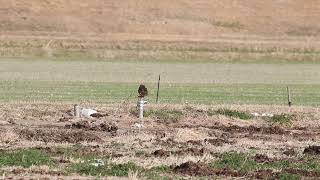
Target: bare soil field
175,141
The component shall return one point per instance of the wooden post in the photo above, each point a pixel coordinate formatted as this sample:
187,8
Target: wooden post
158,89
289,96
76,111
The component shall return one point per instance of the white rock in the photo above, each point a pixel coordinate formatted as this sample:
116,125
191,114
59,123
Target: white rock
87,112
267,115
4,122
255,114
137,125
98,162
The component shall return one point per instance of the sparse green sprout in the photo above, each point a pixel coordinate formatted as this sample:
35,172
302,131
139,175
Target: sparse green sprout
162,168
232,113
25,158
156,172
288,176
123,169
164,115
282,119
89,168
236,161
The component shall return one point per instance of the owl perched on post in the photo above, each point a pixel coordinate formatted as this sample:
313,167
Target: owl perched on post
143,91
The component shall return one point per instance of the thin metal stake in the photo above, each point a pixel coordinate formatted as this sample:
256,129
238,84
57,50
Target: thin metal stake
158,89
289,96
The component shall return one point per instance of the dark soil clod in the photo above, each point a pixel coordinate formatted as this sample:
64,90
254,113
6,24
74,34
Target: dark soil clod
86,125
191,151
98,115
161,153
57,135
218,142
302,172
314,150
194,169
261,158
289,152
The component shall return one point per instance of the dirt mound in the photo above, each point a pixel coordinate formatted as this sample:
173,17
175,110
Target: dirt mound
215,142
191,151
195,142
289,152
314,150
58,135
194,169
261,158
241,129
99,115
265,174
218,141
301,172
183,152
93,126
18,171
81,150
254,129
201,169
161,153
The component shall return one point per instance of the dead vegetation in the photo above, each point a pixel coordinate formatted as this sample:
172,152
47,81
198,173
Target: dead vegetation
166,30
58,136
197,145
165,17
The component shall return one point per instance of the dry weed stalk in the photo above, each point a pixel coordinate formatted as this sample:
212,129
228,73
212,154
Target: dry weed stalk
133,175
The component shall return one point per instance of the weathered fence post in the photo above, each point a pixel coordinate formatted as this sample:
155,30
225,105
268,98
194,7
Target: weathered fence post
289,96
76,110
158,89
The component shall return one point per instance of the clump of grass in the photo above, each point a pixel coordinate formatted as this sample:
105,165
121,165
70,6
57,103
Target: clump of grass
231,113
25,158
289,176
164,115
283,119
244,163
140,153
236,161
155,172
121,170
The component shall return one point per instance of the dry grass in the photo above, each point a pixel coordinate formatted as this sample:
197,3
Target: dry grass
216,31
165,17
192,131
8,137
248,49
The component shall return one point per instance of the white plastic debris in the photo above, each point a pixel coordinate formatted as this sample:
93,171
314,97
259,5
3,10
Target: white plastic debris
262,115
267,115
87,112
98,162
137,125
255,114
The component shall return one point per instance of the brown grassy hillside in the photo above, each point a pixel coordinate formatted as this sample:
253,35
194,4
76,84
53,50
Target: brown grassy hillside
209,30
200,17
